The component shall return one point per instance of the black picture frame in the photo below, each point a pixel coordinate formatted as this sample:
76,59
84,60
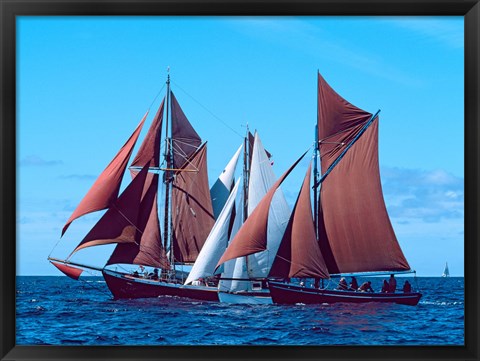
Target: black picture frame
9,9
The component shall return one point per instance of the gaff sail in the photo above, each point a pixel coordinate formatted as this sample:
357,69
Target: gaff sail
355,233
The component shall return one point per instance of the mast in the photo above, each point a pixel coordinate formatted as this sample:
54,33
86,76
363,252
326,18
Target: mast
246,180
167,180
316,184
315,174
246,173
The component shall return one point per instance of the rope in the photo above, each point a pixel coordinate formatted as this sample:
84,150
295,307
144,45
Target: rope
53,249
93,286
206,109
156,96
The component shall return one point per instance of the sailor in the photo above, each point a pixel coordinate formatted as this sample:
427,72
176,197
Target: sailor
154,275
353,284
407,287
385,286
342,285
392,284
366,287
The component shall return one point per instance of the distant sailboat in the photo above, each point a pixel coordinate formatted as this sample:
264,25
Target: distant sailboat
446,272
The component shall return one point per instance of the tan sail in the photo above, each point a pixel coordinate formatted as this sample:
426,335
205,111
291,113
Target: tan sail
107,186
149,150
252,236
299,254
147,250
192,211
185,140
355,233
120,223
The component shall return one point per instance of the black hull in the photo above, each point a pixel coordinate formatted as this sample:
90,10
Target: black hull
126,286
283,293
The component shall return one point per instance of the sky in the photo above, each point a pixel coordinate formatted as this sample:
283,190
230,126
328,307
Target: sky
84,83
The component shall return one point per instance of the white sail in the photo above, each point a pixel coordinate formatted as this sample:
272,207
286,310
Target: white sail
221,188
235,269
261,180
216,242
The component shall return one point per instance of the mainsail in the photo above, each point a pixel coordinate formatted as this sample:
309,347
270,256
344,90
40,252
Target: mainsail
355,233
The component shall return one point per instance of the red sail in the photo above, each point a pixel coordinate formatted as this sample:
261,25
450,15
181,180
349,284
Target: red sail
299,253
150,148
185,140
69,271
120,223
252,236
148,248
192,211
105,189
355,233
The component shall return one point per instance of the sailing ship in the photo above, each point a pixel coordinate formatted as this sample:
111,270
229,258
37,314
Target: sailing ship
349,231
131,220
240,280
446,272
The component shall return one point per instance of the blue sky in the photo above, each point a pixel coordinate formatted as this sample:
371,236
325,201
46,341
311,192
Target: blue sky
84,84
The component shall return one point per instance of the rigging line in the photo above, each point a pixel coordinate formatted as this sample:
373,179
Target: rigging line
93,286
128,220
205,108
156,97
179,152
53,249
293,263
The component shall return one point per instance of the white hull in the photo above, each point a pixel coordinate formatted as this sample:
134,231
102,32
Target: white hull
245,298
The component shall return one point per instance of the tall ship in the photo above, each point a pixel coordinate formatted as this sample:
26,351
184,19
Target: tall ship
346,231
160,260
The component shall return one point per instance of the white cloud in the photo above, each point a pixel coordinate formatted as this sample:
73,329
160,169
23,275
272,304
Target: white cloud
36,161
430,196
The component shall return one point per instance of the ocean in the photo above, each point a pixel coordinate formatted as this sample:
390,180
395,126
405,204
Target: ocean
59,311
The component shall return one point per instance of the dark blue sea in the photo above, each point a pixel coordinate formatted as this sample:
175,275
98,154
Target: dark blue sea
61,311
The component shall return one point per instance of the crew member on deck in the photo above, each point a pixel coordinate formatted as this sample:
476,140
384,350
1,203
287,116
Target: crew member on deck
154,275
366,287
342,285
385,286
392,284
407,287
353,284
